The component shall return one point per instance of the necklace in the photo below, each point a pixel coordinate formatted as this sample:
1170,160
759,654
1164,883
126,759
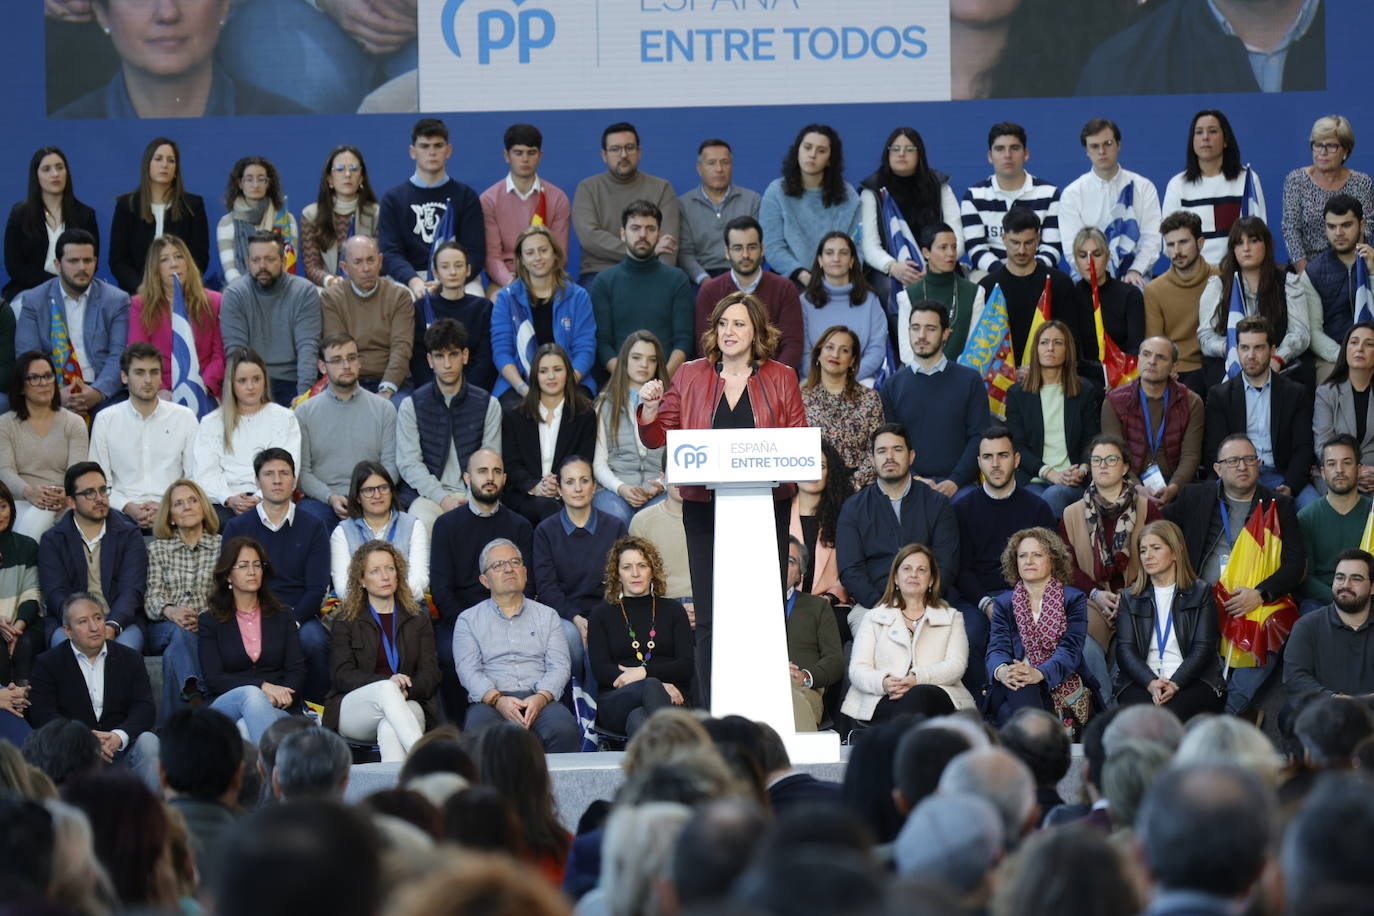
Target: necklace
954,299
634,637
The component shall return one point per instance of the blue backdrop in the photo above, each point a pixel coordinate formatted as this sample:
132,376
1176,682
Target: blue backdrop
104,155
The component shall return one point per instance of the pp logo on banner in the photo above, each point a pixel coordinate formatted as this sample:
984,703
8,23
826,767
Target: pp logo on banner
499,29
688,457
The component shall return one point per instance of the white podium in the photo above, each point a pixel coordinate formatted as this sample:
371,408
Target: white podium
749,655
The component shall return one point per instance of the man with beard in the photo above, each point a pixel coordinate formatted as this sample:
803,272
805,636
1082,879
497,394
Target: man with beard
96,316
1330,278
744,251
455,578
1335,522
1331,651
275,313
1171,299
641,292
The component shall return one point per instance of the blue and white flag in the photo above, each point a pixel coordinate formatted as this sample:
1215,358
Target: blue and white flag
902,246
1123,232
188,388
444,232
1234,317
1364,293
1250,201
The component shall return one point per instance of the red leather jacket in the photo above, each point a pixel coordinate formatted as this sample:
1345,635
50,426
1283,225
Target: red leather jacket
691,400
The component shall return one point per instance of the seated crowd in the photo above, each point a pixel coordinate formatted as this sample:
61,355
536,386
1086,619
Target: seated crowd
414,483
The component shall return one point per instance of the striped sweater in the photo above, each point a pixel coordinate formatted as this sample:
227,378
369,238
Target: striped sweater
982,210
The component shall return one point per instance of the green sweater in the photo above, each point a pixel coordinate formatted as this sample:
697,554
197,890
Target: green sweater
1325,533
18,578
646,295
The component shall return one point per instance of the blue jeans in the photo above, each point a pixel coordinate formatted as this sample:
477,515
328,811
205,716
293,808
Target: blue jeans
321,511
1272,479
284,392
131,636
977,627
180,662
1246,682
315,647
610,502
1057,496
13,729
249,704
1095,661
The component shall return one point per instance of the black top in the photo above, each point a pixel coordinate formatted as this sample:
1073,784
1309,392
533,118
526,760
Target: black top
608,640
1361,412
541,316
811,530
741,416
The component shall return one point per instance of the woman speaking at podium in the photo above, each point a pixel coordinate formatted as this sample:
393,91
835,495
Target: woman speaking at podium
735,385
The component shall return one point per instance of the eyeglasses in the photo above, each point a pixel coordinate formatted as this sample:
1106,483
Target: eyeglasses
343,360
512,563
1325,147
1236,461
380,489
255,179
93,493
753,247
39,378
341,168
246,565
1109,461
894,148
627,149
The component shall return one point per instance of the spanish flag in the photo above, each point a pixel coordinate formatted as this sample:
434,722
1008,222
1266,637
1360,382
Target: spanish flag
541,212
1367,539
1040,316
988,351
1245,641
1118,368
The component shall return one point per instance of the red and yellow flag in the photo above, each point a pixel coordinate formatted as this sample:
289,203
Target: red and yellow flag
1118,368
1040,316
1255,556
541,212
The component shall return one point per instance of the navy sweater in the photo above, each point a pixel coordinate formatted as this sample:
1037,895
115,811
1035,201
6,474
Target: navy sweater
944,414
300,559
457,542
985,525
410,216
569,566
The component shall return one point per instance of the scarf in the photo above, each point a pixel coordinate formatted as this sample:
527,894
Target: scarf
249,218
1040,638
1113,556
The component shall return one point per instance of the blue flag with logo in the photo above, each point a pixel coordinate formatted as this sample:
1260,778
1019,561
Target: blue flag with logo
1234,316
1123,232
1250,202
1364,293
445,232
188,388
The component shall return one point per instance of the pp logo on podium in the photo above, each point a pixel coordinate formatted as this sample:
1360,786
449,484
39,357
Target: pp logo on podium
688,456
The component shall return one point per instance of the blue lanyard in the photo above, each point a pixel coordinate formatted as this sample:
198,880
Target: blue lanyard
1156,441
366,532
791,600
393,654
1162,636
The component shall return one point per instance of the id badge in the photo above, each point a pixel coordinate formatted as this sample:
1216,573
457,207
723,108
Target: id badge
1153,478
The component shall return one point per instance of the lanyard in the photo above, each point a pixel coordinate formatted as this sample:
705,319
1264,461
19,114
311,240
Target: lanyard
1225,516
367,532
393,654
1155,441
1162,636
791,600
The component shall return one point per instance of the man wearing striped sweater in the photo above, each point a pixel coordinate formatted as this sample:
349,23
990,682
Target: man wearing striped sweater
1010,185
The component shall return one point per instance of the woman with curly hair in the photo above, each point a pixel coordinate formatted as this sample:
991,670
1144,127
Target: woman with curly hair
639,642
1035,648
385,670
815,514
809,200
846,411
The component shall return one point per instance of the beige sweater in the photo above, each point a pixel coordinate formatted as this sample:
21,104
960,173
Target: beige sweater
29,460
383,324
1171,311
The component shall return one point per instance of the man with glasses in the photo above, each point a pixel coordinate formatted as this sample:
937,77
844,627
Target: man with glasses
1122,203
511,205
377,313
1211,515
744,251
341,426
297,547
511,655
456,580
1331,651
1022,279
600,199
94,550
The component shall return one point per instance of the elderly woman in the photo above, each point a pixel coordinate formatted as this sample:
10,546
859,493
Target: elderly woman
1035,647
910,651
1306,190
640,643
846,411
1166,647
385,670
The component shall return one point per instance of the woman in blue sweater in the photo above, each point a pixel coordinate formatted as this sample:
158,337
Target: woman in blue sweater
809,200
542,306
838,294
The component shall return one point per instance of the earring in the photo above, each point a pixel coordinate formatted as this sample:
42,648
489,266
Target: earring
106,30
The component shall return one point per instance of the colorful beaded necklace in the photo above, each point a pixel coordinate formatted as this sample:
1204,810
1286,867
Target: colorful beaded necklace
648,652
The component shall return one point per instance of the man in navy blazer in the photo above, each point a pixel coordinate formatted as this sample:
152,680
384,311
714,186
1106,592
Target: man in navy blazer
87,535
98,309
786,786
101,684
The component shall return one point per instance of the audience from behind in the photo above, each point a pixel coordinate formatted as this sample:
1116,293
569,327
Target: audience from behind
821,823
1069,872
1231,740
130,830
953,840
62,749
312,763
410,806
1131,768
481,818
1151,723
1330,729
470,883
79,882
999,777
1042,744
786,786
21,778
1323,844
869,777
438,751
713,849
309,856
267,746
27,852
637,856
922,755
1205,833
511,761
201,755
662,735
817,881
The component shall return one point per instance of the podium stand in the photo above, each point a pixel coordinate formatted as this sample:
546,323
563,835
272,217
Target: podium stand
749,656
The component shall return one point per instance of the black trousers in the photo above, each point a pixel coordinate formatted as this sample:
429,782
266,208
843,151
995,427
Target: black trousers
923,699
1194,699
699,522
624,709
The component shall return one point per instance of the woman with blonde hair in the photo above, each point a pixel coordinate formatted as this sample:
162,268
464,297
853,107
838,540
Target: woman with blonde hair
386,672
181,575
910,650
150,314
246,422
1167,633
